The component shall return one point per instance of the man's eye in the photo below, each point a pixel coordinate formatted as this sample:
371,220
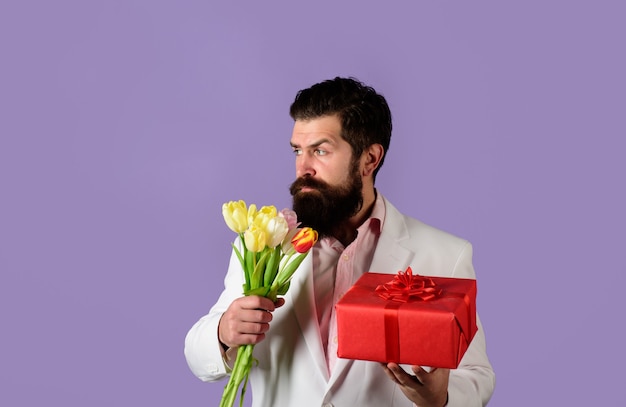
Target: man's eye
297,151
320,152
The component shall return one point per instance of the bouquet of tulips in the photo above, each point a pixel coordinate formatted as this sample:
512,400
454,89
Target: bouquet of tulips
272,247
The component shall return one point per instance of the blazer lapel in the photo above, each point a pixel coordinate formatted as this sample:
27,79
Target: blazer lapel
301,295
391,255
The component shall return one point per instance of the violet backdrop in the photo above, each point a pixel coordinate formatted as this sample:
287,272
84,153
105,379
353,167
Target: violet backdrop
126,124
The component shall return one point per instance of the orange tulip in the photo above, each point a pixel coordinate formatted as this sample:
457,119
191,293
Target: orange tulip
304,240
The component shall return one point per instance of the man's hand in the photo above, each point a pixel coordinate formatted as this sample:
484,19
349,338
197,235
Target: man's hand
423,389
246,320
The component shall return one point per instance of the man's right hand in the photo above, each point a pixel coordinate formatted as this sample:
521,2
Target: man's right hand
246,320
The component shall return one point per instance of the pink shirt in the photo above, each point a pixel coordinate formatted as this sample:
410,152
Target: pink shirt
335,269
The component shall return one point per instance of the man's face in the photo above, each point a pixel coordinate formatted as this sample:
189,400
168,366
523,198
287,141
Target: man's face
328,187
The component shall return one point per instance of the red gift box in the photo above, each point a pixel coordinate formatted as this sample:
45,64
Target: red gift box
407,319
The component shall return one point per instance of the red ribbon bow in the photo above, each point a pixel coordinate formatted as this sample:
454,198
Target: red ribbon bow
407,287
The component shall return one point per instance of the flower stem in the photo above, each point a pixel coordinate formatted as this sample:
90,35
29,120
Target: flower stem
240,373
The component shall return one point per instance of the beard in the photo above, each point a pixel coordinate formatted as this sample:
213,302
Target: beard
327,207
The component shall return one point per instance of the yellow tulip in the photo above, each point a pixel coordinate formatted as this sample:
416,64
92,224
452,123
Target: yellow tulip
269,211
263,216
236,215
255,238
251,213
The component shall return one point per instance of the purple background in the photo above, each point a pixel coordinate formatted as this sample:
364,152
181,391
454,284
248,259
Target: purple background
126,124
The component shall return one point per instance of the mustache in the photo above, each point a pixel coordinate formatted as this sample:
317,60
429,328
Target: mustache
307,182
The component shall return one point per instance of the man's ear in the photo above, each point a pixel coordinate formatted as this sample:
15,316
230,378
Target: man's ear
371,158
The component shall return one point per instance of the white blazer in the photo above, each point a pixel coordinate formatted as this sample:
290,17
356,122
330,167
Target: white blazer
292,367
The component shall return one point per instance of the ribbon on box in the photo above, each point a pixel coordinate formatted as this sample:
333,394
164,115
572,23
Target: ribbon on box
405,287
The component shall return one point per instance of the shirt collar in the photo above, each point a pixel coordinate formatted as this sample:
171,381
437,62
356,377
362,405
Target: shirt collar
377,217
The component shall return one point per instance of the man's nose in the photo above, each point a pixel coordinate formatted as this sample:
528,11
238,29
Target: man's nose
304,166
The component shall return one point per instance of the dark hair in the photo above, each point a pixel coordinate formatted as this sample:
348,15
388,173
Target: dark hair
364,114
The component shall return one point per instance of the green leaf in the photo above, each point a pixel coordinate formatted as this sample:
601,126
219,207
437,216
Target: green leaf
246,286
282,290
257,274
287,272
272,267
250,259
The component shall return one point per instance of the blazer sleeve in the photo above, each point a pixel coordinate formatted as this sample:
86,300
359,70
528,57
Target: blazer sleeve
473,382
203,352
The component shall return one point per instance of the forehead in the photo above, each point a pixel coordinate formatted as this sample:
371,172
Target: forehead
325,128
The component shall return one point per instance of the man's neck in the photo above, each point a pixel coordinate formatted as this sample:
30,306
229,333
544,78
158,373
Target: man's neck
347,231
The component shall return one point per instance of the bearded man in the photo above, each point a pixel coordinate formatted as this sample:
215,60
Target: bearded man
341,134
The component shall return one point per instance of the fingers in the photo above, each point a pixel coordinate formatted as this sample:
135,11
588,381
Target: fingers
420,374
390,373
279,302
435,376
246,320
255,302
398,375
421,387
